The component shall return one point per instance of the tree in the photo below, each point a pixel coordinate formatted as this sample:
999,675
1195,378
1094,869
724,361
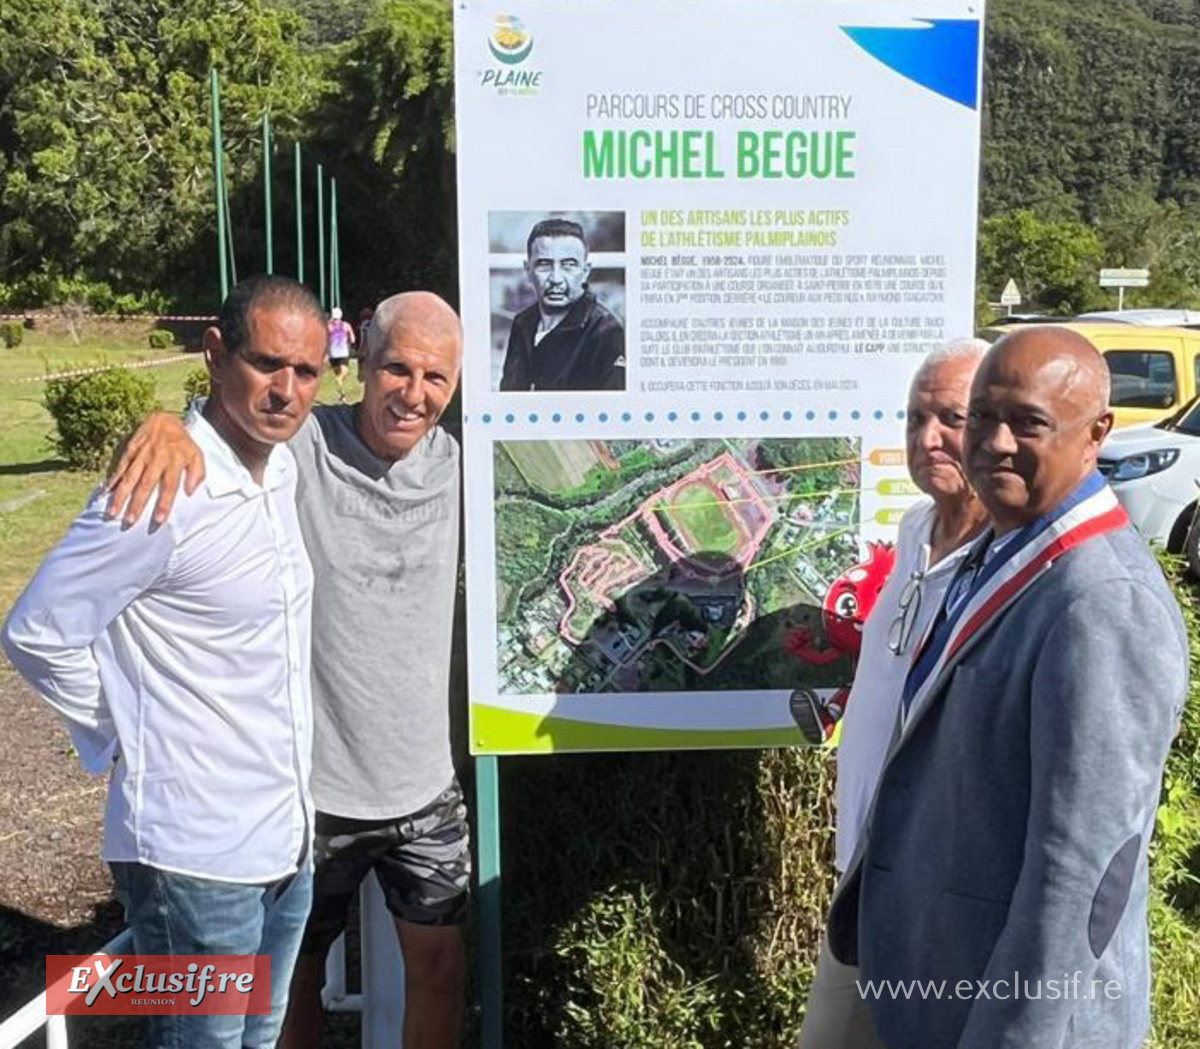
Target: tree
388,130
105,132
1054,263
1076,95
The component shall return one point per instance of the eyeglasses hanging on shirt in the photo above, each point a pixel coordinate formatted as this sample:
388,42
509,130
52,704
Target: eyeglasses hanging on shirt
909,607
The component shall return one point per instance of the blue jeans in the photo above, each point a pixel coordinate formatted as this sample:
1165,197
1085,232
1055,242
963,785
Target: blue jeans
178,914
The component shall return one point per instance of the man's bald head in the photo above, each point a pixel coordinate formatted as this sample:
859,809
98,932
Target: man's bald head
421,311
1038,414
1062,358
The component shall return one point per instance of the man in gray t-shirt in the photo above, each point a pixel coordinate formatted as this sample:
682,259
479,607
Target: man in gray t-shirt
383,539
378,500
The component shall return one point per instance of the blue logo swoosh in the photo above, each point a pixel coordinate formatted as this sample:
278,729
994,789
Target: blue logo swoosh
941,54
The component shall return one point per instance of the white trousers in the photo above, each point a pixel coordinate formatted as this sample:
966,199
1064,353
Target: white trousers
837,1017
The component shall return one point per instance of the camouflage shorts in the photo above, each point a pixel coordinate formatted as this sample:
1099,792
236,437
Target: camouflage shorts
422,861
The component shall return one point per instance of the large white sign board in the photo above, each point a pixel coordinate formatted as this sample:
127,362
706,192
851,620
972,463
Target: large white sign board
683,402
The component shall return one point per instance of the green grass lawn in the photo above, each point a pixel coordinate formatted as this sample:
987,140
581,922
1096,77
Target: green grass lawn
39,497
699,514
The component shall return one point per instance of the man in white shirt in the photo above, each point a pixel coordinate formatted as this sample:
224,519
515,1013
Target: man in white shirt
934,536
179,656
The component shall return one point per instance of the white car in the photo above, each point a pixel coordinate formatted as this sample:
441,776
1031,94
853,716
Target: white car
1153,472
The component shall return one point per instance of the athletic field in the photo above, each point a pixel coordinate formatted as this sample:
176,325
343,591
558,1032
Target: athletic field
701,519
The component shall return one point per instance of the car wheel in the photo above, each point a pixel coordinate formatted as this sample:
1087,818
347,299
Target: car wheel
1191,546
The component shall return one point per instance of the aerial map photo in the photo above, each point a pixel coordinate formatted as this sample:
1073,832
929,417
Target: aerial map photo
672,565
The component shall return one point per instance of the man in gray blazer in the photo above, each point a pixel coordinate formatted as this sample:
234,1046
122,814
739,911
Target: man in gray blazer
1004,865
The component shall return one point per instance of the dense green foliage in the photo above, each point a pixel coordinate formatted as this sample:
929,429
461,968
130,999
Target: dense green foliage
1091,150
47,288
93,412
664,900
1175,880
195,384
160,339
525,537
11,333
1053,262
106,184
387,132
105,132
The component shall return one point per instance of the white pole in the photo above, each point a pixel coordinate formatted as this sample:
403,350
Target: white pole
334,991
382,971
56,1032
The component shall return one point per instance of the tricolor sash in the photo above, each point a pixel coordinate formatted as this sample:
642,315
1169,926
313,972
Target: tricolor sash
1092,511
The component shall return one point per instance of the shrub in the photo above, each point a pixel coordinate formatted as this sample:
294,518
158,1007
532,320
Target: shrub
195,384
93,412
12,332
1175,857
160,339
127,304
664,900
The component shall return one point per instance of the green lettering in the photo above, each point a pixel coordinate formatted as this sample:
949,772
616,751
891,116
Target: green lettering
747,154
639,166
845,154
797,159
597,156
691,153
821,146
710,157
666,153
771,142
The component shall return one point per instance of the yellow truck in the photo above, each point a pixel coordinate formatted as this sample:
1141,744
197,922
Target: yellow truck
1154,369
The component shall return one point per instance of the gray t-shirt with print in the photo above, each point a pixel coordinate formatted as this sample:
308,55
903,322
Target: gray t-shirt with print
383,540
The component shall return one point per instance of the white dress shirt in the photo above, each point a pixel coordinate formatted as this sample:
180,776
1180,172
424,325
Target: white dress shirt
874,703
180,658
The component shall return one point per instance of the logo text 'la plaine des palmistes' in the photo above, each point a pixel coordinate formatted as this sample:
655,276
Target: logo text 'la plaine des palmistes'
510,44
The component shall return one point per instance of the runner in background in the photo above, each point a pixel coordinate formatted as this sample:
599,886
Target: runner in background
340,338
